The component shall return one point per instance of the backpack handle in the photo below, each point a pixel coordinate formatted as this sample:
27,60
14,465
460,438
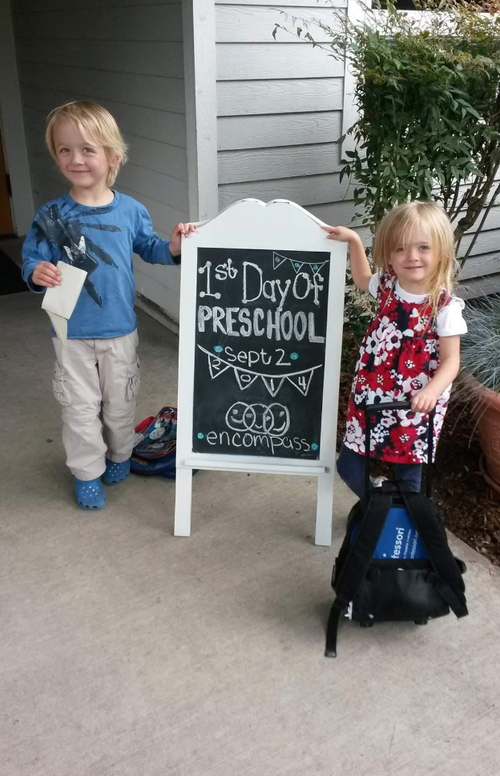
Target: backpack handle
373,409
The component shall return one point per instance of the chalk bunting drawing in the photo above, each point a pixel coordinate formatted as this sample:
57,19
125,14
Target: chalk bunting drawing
301,380
314,266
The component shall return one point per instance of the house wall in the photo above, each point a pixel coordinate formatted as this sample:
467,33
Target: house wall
279,108
480,274
282,107
129,57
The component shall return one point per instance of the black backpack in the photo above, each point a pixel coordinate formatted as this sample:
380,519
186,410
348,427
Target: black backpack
416,580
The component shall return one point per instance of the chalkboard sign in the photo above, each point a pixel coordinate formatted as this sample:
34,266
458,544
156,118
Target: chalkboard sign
261,314
260,351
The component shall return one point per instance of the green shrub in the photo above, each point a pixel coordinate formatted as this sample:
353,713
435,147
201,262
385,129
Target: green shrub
428,97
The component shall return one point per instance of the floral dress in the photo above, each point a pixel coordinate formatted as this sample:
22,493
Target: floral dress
398,357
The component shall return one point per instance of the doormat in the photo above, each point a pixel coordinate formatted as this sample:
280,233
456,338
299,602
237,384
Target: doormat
11,281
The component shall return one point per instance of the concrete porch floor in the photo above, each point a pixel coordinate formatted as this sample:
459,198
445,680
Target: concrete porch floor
125,651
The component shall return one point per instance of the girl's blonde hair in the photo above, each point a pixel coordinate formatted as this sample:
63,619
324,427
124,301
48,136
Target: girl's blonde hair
95,123
397,229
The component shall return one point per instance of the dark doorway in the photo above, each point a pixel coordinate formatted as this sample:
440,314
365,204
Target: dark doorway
11,281
6,225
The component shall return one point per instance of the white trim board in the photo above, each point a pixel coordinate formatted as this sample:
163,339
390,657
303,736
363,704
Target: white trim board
201,107
355,13
278,226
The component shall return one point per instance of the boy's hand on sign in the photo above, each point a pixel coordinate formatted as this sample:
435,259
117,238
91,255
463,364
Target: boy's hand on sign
175,238
46,274
340,233
424,400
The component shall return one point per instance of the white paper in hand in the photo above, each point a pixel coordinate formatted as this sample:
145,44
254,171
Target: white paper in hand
60,301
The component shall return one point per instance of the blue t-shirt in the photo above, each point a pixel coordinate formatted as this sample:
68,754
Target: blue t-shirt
101,241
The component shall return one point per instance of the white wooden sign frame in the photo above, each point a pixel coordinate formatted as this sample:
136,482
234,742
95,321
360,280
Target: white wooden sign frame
252,224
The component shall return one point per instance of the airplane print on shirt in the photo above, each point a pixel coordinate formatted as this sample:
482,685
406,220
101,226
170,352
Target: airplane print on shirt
76,248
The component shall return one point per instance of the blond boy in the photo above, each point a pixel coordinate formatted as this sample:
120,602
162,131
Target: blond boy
95,228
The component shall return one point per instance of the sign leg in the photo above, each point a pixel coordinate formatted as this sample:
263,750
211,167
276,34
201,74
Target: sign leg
324,510
183,497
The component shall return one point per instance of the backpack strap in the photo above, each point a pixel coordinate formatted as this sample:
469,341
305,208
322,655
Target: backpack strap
355,517
448,577
331,632
361,552
354,560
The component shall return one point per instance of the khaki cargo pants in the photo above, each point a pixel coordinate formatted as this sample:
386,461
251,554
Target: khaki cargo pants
96,382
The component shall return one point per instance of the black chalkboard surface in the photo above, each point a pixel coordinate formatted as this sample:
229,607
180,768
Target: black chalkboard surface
261,319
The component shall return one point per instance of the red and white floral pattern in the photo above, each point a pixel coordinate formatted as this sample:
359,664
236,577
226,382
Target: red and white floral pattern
398,357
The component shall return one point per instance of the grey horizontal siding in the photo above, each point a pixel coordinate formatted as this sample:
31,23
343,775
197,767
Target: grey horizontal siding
128,56
36,6
481,266
485,255
308,190
297,95
250,61
132,23
145,91
271,163
248,24
236,132
279,106
154,59
471,289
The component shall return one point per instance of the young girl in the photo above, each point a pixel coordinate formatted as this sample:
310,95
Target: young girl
411,350
97,229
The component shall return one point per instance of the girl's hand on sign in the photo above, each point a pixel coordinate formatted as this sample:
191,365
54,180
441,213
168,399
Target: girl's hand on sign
361,271
175,238
46,274
340,233
424,400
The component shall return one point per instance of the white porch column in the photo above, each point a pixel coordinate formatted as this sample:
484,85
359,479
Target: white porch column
201,107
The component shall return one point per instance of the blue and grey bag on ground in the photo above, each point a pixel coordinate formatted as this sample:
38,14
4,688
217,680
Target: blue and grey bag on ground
395,563
155,445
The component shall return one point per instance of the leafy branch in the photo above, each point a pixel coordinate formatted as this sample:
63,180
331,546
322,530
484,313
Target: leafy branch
428,98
